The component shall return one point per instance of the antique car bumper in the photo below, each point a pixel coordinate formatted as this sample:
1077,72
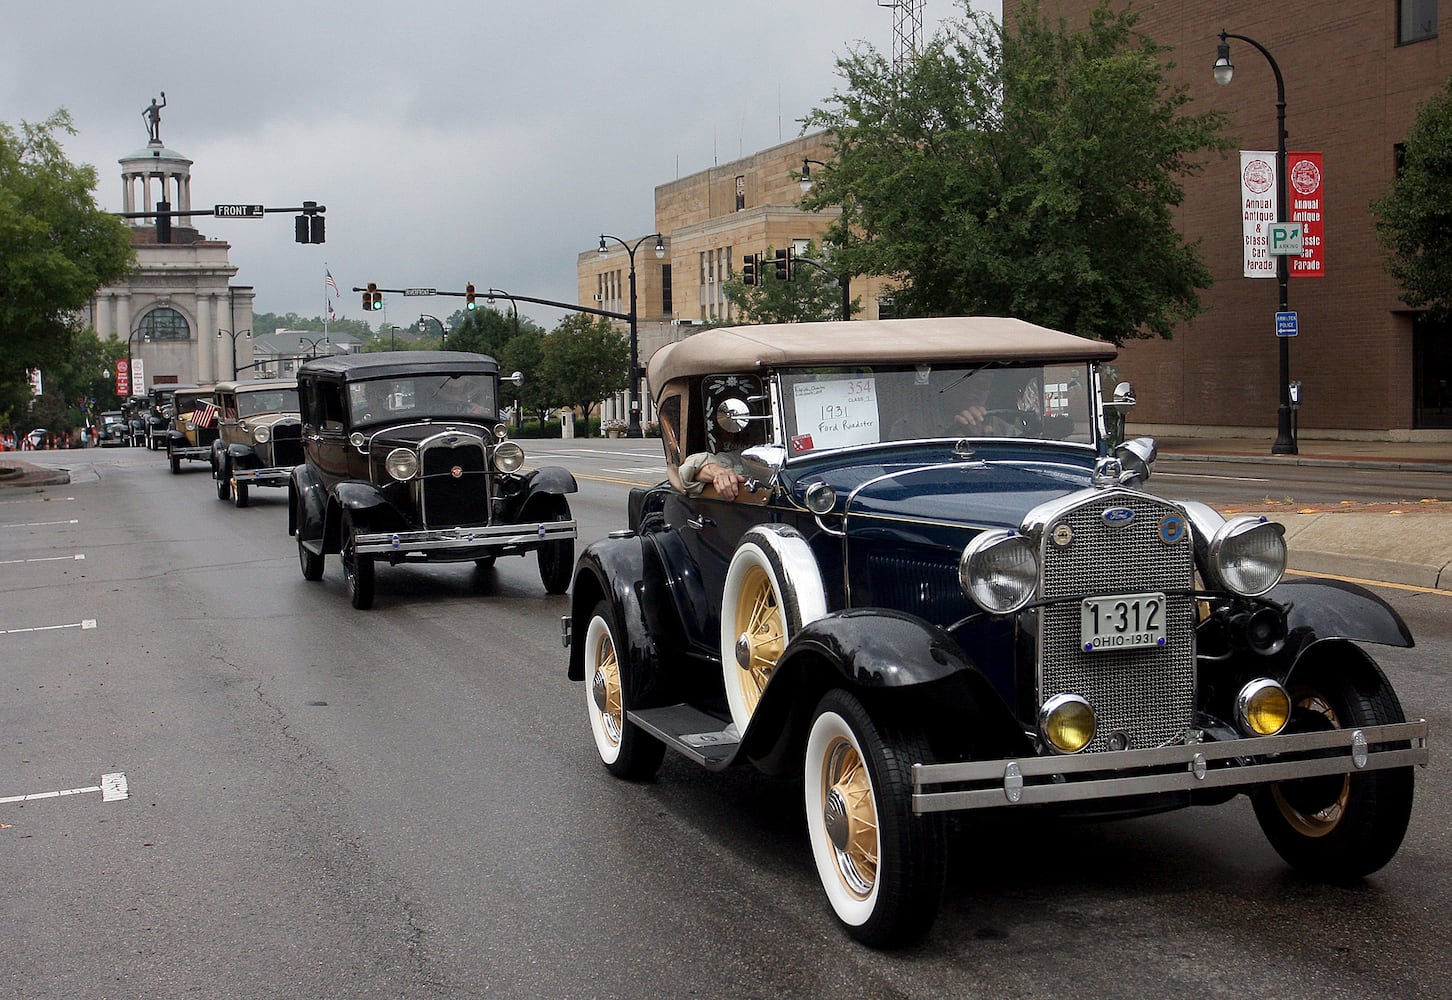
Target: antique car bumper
1185,768
200,454
261,477
500,536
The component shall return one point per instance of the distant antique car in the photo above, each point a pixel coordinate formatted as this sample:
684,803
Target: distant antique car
112,431
157,411
259,436
941,589
192,426
406,461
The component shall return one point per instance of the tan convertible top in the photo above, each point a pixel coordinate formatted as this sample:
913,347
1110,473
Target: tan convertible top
868,342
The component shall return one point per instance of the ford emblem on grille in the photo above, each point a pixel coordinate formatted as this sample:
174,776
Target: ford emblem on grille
1117,517
457,472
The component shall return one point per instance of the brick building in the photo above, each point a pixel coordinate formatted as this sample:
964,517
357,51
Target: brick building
1355,74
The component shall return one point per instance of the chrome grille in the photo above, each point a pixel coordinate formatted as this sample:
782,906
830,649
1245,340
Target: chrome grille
446,500
1146,694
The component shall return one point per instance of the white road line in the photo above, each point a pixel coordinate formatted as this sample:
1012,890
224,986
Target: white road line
112,788
11,562
1193,475
6,503
40,524
83,624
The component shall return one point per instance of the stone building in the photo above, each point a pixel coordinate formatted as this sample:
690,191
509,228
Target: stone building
1355,74
182,318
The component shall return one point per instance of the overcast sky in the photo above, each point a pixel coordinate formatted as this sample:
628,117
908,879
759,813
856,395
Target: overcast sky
450,140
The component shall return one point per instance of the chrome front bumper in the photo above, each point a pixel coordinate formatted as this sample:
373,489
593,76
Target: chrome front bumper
1181,768
499,536
261,477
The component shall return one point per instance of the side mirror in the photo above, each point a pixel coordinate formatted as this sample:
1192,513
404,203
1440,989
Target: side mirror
517,378
1123,395
732,415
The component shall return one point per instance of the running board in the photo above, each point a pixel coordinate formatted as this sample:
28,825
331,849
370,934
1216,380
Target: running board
689,731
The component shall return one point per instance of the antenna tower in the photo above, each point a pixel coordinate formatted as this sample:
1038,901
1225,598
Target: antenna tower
907,29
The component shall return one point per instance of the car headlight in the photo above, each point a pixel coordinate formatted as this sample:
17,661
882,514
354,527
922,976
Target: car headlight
1262,708
999,571
508,456
1067,723
262,434
402,464
1248,555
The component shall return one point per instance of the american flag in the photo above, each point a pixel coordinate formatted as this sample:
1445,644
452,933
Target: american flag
331,283
204,414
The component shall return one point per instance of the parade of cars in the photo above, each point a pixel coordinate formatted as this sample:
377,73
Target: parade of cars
938,585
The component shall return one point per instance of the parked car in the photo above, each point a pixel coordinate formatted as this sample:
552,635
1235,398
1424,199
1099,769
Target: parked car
259,438
159,411
406,461
940,589
192,428
112,430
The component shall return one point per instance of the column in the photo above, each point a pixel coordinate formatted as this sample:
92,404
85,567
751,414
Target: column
207,366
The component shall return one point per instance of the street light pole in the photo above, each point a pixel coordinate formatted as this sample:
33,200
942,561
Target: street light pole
234,336
844,280
632,428
1285,443
443,333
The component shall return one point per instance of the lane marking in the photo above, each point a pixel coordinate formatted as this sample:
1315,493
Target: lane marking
10,562
1414,588
622,482
6,503
1200,475
84,623
41,524
113,788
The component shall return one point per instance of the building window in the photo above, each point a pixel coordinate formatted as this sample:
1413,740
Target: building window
1416,20
165,324
666,306
740,192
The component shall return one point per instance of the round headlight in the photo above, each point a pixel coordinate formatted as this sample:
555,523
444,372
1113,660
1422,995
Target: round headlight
402,464
1262,708
1067,723
508,456
999,571
820,498
1248,555
262,434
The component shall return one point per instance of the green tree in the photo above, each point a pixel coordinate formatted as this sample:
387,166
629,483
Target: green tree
584,360
525,353
1022,170
485,330
811,295
265,322
1414,220
56,248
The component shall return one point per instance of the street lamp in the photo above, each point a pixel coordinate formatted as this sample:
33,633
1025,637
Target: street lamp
234,336
312,344
131,360
1285,443
806,179
443,333
632,429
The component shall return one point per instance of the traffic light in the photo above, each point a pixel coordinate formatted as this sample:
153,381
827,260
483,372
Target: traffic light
373,298
163,222
783,265
469,302
748,269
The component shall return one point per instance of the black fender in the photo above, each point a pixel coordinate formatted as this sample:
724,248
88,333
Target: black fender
610,569
368,507
305,494
1327,609
888,658
550,479
243,456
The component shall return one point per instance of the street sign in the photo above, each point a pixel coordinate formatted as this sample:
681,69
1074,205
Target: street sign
1287,324
1286,239
237,211
420,291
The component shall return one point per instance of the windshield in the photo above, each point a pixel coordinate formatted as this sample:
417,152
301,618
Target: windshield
842,407
270,401
419,397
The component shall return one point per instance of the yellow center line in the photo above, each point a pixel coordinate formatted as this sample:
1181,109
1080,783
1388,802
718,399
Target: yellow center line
1374,583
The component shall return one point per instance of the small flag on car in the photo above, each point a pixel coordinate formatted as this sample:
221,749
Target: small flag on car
204,414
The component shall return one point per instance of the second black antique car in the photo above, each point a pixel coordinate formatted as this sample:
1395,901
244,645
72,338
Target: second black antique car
942,588
406,461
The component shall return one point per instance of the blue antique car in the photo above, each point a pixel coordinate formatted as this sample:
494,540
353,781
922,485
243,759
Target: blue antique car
942,587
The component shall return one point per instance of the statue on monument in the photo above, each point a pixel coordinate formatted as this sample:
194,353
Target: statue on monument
153,118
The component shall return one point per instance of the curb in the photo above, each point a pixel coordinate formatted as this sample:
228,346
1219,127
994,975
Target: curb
1394,464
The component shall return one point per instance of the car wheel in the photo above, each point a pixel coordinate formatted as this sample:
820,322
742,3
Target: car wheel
239,494
881,866
357,569
223,472
625,749
484,562
1338,827
556,559
175,461
311,562
772,589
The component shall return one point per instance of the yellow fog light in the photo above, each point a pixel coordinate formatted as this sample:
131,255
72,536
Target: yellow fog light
1067,723
1262,708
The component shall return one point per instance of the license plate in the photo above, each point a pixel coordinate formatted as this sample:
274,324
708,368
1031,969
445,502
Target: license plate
1122,621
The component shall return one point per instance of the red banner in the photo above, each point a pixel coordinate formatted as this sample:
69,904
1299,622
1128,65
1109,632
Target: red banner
1304,174
123,378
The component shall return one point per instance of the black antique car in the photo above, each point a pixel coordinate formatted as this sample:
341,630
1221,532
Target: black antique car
406,461
192,426
941,588
259,439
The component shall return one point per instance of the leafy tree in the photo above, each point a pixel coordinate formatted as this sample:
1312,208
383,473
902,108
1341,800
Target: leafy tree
265,322
1414,220
56,248
811,295
485,330
584,360
525,353
1023,170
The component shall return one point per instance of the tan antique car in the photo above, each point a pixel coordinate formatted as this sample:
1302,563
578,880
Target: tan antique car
192,427
259,436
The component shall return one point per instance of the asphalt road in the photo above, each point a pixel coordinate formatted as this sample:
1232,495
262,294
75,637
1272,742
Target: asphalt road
406,803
